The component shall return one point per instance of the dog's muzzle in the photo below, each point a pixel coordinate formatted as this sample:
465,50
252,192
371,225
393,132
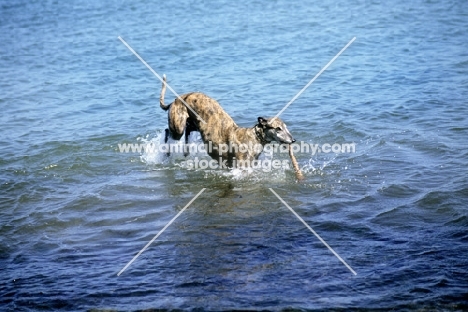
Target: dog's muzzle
291,142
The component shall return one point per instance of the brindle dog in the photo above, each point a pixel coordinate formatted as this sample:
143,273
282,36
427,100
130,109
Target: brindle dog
219,128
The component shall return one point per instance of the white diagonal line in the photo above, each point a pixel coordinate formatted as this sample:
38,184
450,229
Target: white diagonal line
159,77
312,230
313,79
160,232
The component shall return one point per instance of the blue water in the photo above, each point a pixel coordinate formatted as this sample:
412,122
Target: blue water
74,210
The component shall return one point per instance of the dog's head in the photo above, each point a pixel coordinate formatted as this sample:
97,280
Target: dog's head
274,129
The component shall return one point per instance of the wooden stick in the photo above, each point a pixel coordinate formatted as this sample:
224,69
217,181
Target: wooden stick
298,172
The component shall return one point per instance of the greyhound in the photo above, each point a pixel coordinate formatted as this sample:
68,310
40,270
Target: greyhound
219,128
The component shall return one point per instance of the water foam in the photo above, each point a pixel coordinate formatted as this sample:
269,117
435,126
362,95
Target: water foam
157,157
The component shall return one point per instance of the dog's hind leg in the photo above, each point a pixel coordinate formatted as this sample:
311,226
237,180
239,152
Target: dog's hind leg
177,120
165,107
186,146
166,135
166,138
189,128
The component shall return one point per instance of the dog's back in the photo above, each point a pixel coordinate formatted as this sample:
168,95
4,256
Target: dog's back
213,123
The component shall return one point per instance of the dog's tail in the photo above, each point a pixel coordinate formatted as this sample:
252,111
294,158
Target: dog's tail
161,97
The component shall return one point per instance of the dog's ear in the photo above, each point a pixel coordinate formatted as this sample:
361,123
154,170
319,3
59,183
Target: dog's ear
262,121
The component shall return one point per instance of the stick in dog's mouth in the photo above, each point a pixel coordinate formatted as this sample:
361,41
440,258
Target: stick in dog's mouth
298,172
